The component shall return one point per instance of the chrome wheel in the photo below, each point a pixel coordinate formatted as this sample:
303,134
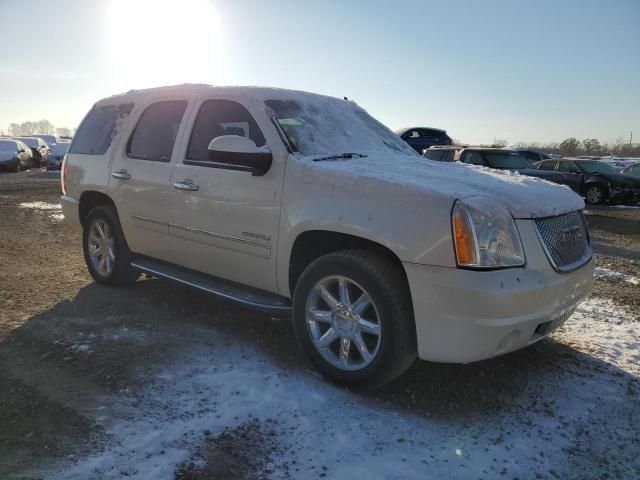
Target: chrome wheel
344,323
594,195
101,251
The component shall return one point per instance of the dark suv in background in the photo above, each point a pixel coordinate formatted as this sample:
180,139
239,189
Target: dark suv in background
421,138
498,158
532,155
595,180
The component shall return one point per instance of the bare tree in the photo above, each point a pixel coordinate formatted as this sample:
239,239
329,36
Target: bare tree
569,147
591,146
63,132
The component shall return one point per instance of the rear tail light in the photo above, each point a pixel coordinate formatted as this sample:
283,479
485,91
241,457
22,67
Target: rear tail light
63,175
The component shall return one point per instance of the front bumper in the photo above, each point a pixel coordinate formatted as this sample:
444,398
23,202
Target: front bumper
625,194
464,316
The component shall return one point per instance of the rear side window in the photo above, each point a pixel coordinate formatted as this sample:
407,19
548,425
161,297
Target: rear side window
567,167
439,155
217,118
547,166
98,129
474,158
156,131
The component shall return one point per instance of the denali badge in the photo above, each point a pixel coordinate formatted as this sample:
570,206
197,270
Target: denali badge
571,235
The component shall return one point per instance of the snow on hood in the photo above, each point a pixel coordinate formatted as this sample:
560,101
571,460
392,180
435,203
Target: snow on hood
408,176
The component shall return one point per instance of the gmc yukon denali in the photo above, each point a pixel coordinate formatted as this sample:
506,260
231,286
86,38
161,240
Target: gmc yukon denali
288,201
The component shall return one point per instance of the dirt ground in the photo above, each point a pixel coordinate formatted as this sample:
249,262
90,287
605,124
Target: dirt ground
67,346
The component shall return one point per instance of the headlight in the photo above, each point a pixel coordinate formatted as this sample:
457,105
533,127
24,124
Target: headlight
485,234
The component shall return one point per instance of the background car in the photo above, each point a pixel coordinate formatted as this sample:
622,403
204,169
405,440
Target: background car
50,139
421,138
56,155
39,148
498,158
633,170
14,154
595,180
531,155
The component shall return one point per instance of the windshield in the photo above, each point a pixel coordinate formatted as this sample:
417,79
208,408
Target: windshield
596,167
506,160
60,148
8,146
48,138
32,142
316,125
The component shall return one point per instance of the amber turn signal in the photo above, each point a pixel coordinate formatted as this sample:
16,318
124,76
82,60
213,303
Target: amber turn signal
463,238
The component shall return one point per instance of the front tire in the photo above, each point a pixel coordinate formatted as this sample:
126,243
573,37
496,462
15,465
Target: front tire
595,195
105,250
353,318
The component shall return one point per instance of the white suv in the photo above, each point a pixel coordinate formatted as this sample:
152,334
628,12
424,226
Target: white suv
290,201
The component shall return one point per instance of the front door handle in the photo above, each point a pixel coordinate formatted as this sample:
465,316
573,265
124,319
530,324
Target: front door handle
186,185
121,174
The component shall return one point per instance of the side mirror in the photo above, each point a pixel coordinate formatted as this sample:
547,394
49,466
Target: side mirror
21,150
240,151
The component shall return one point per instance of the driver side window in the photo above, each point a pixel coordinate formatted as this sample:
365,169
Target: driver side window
217,118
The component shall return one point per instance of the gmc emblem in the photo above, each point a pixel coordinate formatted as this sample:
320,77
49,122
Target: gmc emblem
571,235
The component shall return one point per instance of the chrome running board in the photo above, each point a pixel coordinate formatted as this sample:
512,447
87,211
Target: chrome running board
235,292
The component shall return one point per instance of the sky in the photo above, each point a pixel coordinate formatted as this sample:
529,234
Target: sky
523,71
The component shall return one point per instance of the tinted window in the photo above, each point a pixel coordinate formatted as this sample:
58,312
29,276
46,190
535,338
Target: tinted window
506,161
217,118
32,142
97,129
597,167
567,167
425,132
8,146
156,131
439,155
533,156
547,166
474,158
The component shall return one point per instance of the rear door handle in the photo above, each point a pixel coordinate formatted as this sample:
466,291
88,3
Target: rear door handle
186,185
121,174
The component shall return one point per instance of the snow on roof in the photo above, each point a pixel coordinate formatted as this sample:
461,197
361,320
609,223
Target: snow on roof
256,92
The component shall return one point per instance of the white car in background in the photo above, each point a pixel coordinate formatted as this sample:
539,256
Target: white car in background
293,202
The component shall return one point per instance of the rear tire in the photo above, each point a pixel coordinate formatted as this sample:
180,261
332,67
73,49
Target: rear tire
595,195
106,253
351,341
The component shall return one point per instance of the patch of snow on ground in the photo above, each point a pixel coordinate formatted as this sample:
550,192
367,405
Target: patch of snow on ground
601,272
55,209
346,435
626,206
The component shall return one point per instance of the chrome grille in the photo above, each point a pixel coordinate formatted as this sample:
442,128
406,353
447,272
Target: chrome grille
565,240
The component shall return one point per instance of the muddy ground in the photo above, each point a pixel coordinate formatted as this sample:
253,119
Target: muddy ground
52,316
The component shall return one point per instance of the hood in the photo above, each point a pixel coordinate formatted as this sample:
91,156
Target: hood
7,155
409,178
622,178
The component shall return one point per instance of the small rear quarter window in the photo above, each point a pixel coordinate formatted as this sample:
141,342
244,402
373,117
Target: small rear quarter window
98,129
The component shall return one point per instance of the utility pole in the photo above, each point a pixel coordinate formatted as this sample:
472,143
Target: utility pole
630,138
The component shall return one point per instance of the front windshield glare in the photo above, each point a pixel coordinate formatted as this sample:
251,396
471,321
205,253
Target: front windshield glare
501,160
324,126
597,167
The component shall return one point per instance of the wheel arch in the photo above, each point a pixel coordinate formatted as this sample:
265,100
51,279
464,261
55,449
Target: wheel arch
90,200
312,244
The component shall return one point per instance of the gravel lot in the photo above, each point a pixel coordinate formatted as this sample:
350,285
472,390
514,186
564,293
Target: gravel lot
160,381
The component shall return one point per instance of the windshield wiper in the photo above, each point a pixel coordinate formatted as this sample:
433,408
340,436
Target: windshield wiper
341,156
